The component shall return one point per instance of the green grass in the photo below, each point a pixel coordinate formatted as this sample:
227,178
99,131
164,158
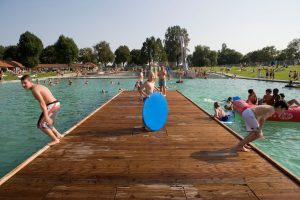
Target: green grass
280,73
10,77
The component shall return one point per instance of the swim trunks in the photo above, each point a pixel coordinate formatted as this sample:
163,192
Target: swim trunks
162,82
53,109
250,120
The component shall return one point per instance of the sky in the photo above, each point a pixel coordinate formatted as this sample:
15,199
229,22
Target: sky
244,25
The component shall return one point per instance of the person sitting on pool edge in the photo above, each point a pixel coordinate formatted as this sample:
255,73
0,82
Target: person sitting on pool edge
290,102
219,112
252,98
149,86
255,118
49,106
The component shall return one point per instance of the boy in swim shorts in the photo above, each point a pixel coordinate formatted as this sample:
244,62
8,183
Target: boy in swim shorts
49,106
255,118
162,80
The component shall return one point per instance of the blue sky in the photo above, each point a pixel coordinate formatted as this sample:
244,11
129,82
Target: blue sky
244,25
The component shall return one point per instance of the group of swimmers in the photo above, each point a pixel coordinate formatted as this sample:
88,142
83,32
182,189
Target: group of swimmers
269,99
256,116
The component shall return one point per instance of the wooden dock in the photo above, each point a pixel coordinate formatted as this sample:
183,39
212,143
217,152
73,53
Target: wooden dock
106,157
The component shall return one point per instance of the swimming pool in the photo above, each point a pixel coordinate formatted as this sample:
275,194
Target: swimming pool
19,137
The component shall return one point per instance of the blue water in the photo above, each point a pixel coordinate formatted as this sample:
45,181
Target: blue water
19,137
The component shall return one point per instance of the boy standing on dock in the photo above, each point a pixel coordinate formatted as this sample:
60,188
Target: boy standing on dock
49,106
255,118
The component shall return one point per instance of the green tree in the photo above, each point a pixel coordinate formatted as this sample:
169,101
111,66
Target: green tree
2,49
293,50
203,56
48,55
173,42
104,53
86,55
135,55
66,51
11,53
29,48
122,55
160,53
149,49
228,56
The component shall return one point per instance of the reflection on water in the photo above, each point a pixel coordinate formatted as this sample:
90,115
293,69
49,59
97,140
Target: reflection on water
19,137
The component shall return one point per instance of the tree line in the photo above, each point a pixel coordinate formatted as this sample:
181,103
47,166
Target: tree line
30,52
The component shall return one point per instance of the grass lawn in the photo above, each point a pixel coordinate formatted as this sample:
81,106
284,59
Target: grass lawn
251,72
10,77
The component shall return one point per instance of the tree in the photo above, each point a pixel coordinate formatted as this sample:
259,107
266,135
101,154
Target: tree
228,56
104,53
293,49
122,55
203,56
11,53
48,55
173,42
149,49
160,53
29,48
86,55
135,55
66,51
2,49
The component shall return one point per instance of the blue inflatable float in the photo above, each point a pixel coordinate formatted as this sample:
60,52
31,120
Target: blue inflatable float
155,112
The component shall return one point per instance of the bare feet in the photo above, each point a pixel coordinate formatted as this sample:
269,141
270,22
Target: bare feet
248,146
53,143
59,136
237,148
243,149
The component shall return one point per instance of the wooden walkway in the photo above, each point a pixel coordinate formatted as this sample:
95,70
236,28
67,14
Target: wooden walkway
106,158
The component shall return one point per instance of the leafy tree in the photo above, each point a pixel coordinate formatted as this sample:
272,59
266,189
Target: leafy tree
228,56
2,49
264,55
30,48
135,55
11,53
66,51
293,49
149,49
86,55
282,55
203,56
48,55
173,42
160,53
122,55
104,53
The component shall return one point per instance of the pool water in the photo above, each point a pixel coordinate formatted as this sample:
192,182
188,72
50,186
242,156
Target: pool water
19,137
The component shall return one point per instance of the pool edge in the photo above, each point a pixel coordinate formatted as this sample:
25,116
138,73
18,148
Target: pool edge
11,173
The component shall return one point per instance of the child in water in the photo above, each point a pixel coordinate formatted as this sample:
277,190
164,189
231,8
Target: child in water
219,112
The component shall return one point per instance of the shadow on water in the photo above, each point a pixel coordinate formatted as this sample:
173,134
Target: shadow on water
217,156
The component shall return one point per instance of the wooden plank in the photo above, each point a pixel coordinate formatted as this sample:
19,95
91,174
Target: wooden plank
105,157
